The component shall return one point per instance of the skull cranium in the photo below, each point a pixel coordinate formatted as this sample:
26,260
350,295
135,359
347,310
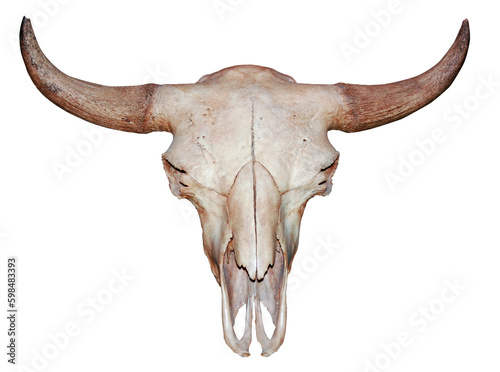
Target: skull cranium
249,149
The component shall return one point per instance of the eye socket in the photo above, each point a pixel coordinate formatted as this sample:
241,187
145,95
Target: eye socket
327,173
174,167
178,170
178,178
331,165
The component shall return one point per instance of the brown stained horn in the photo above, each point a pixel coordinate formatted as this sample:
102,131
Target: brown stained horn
369,106
124,108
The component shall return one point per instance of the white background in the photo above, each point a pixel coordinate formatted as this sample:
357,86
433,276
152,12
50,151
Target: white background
394,248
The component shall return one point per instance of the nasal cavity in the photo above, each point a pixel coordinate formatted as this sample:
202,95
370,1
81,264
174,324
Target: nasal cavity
240,323
267,321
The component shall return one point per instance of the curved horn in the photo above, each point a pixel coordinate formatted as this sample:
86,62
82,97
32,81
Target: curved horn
128,109
369,106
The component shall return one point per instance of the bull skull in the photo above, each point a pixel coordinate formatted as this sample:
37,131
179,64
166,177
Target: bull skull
249,149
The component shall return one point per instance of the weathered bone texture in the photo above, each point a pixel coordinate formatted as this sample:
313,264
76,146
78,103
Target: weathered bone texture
249,149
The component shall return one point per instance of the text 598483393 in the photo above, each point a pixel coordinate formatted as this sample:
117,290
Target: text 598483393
11,309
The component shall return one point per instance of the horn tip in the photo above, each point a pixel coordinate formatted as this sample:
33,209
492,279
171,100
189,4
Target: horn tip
25,27
464,36
464,30
26,22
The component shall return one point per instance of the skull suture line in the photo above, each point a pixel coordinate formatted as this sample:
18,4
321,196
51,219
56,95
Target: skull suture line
249,149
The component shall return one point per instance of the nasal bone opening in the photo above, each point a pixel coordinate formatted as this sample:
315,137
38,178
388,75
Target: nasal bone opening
266,318
239,323
267,321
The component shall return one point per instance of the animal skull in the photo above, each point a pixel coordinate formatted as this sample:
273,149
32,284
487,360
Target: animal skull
249,149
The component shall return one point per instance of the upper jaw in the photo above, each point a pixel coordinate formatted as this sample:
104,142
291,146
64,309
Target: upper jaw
239,290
